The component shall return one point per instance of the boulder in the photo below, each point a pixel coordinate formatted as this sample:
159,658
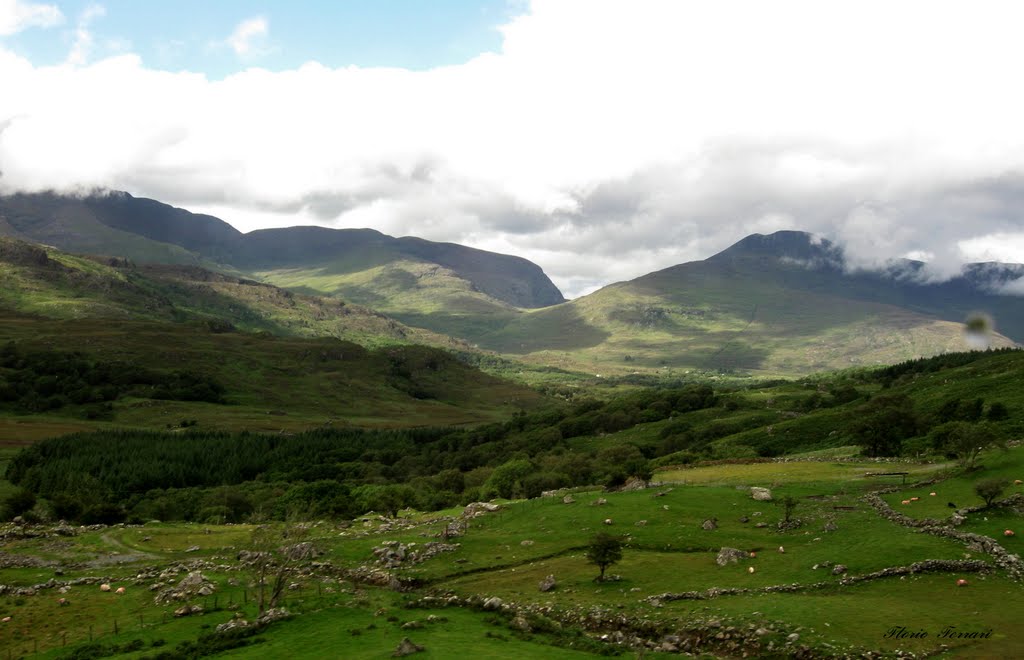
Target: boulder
547,584
478,509
234,624
568,499
838,569
760,494
406,647
493,603
729,556
634,483
273,614
709,524
520,623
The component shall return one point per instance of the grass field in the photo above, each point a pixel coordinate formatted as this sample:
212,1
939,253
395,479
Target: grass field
507,553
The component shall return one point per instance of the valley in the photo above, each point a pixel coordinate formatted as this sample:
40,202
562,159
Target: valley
300,442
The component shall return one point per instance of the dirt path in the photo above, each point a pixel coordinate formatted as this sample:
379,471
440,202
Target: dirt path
122,555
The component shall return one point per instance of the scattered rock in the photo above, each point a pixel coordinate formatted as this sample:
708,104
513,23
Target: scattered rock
273,614
188,610
520,623
607,521
760,494
526,543
478,509
547,584
634,483
729,556
709,524
641,523
838,569
493,603
568,499
599,502
831,526
192,585
234,624
194,548
406,647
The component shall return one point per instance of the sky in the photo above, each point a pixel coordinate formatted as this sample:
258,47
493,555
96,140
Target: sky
600,139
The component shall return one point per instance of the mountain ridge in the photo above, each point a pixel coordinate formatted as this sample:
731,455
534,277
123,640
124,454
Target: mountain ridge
119,224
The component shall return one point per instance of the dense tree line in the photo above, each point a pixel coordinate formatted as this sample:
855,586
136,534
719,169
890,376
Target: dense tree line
38,381
936,363
200,475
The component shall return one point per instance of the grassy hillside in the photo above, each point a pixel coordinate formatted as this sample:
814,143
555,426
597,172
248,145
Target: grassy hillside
273,383
713,317
784,597
419,294
148,231
47,282
835,579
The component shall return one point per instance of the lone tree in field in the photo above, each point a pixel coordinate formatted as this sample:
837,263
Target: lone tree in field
788,504
274,557
990,489
604,550
967,441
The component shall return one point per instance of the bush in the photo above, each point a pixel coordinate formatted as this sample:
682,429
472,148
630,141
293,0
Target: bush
990,489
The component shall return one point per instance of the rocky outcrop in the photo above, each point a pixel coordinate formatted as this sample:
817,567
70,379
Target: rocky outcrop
393,554
193,585
730,556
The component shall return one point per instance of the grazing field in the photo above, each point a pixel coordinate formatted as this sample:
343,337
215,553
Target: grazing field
784,596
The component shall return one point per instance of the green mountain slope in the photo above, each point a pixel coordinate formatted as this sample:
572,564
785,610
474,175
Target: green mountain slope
269,383
145,230
46,282
771,306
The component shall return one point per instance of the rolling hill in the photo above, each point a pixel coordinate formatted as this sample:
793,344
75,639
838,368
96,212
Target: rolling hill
43,281
779,304
444,280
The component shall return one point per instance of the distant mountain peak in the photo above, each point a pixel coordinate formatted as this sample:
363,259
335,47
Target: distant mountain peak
787,245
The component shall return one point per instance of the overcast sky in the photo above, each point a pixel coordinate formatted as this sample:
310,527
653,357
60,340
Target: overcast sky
602,140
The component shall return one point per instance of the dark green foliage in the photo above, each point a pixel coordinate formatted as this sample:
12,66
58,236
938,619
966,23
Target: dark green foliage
94,650
991,489
38,381
231,477
881,425
936,363
17,503
997,412
603,551
965,441
211,644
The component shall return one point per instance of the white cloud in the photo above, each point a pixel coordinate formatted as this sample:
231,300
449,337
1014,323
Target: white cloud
247,35
16,16
84,42
605,140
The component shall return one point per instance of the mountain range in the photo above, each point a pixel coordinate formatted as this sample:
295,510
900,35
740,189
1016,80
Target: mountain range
785,303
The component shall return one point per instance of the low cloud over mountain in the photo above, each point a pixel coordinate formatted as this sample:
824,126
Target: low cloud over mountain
603,141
